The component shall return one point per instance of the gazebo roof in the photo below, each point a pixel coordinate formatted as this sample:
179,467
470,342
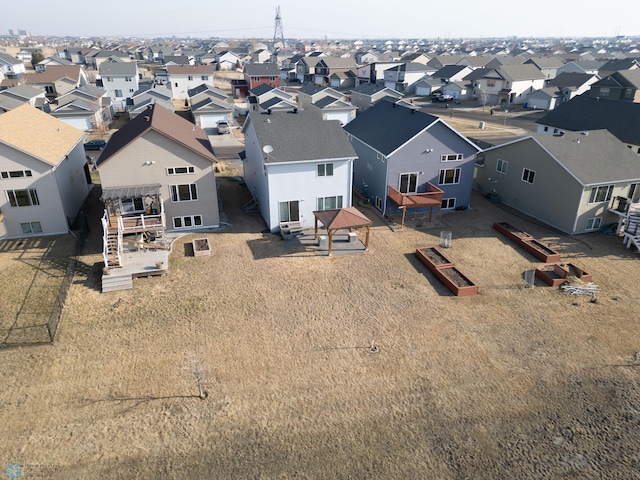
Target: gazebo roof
342,218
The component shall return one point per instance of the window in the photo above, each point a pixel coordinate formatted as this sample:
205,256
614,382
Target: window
604,91
183,193
451,158
23,198
449,176
491,83
176,84
271,79
204,78
329,203
256,79
593,223
601,194
16,174
109,79
502,166
409,183
528,175
379,203
190,77
632,191
127,79
187,221
31,227
180,170
546,129
325,169
118,93
448,203
380,157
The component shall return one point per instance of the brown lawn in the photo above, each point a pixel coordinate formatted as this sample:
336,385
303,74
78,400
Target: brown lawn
510,383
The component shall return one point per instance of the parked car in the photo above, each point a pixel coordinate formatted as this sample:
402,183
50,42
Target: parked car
444,98
95,145
223,127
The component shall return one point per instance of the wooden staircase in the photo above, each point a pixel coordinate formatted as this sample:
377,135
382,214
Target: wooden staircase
113,259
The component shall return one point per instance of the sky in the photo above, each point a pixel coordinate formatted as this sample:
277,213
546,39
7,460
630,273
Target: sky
371,19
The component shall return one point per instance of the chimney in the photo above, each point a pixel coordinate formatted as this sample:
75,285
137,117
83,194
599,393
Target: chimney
268,111
295,110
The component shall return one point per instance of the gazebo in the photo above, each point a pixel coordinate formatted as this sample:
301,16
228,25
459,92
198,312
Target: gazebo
341,218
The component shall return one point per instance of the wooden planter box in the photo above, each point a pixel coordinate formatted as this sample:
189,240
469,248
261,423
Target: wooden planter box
456,281
579,273
446,271
201,247
529,243
540,251
511,232
433,258
552,274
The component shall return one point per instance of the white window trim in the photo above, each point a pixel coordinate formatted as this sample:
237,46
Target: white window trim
440,174
445,158
172,170
505,163
530,172
190,193
595,224
417,174
324,164
193,223
449,200
607,197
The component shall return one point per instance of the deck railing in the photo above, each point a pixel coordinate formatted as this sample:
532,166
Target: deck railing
431,198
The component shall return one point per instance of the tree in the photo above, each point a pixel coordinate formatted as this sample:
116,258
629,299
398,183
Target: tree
36,57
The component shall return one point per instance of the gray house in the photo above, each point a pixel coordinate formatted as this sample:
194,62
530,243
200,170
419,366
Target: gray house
409,159
367,94
568,181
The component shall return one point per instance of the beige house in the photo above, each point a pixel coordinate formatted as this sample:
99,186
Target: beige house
58,79
43,173
157,174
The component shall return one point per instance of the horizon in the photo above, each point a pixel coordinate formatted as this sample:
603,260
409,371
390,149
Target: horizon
331,20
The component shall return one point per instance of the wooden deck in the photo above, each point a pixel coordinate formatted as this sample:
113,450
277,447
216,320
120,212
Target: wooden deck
135,263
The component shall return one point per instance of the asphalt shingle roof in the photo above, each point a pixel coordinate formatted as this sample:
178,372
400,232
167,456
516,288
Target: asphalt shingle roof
590,113
385,126
301,136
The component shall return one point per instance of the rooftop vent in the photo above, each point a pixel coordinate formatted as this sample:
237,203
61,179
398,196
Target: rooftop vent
585,133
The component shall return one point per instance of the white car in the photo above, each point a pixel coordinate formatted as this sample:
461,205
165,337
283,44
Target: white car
223,127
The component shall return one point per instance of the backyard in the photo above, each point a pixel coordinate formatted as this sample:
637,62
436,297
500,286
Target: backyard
256,362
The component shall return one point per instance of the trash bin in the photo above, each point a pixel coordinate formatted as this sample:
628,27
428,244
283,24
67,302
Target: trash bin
481,125
445,239
323,242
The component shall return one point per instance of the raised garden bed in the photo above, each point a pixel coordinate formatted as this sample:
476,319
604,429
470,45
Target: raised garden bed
511,232
540,251
201,247
456,281
433,258
526,241
556,274
446,271
552,274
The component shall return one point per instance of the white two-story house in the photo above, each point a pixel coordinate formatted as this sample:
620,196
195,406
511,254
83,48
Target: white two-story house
183,78
120,80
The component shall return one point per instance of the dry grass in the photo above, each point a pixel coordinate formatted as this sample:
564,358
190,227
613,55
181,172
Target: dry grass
510,383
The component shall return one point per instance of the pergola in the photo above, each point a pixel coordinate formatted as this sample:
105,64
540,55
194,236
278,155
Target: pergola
339,219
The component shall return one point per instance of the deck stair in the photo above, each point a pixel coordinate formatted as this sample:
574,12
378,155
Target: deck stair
632,229
113,281
113,258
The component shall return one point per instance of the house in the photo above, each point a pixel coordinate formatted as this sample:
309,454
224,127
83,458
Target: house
15,96
335,109
258,73
185,77
157,175
586,113
43,172
227,60
366,95
11,67
78,55
209,106
581,66
304,69
373,72
508,84
310,93
622,85
26,54
617,65
427,85
296,163
405,76
547,65
342,79
85,108
410,159
326,66
176,60
98,57
288,67
261,55
120,80
148,95
265,97
42,65
58,80
458,90
568,181
451,73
